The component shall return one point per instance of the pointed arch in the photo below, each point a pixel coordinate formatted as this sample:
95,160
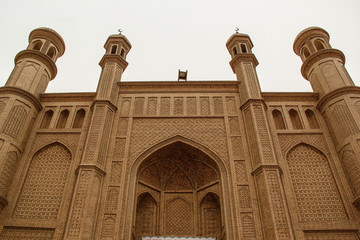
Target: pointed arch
183,198
63,119
79,118
51,52
146,213
113,49
37,45
210,215
48,170
310,172
311,119
178,138
319,45
295,119
45,123
278,119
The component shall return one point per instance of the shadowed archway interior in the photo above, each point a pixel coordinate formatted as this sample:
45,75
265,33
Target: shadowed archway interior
178,189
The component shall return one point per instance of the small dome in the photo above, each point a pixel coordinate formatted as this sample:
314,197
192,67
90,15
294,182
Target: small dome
306,33
49,33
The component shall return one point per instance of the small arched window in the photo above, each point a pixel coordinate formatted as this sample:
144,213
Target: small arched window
51,52
295,119
234,51
47,119
243,48
305,52
37,45
79,118
113,49
278,119
312,119
122,53
319,45
62,119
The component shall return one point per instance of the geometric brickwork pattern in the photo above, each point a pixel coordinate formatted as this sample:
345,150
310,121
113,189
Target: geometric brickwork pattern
108,227
178,106
262,131
179,218
2,106
43,188
204,106
79,202
116,172
105,138
252,141
15,121
278,205
288,141
7,172
191,106
248,227
352,168
244,196
94,133
240,170
146,132
331,235
344,121
315,189
15,233
70,140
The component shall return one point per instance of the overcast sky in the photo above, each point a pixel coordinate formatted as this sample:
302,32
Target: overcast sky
167,35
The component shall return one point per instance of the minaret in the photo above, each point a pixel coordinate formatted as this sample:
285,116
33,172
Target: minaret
265,168
19,104
92,170
339,101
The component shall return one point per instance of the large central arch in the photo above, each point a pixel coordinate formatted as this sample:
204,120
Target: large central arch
176,189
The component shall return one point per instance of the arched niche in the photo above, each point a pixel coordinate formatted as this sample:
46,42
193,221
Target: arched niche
177,180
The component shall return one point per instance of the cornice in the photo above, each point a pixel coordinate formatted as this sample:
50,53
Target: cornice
266,167
179,86
104,101
22,93
252,100
90,167
325,53
243,57
40,57
290,96
337,93
112,58
68,97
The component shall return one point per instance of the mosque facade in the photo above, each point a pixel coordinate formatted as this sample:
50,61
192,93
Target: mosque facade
164,160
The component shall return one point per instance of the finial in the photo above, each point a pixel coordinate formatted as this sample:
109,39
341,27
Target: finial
120,31
237,30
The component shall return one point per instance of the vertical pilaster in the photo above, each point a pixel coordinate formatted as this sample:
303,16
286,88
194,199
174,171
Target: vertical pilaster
91,172
266,171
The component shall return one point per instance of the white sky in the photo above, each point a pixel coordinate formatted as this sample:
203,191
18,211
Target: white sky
168,35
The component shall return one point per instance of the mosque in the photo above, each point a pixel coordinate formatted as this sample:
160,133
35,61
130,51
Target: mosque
180,159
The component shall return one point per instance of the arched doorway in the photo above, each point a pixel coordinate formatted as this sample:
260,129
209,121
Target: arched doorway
178,194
